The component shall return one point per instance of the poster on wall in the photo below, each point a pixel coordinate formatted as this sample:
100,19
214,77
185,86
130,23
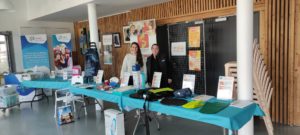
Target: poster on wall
194,34
83,40
144,33
195,60
116,40
107,39
107,54
62,50
178,48
35,53
126,34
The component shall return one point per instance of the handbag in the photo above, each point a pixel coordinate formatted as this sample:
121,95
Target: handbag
183,93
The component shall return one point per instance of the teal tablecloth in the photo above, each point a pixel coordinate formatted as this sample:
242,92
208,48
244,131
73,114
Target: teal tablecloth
47,83
97,94
230,118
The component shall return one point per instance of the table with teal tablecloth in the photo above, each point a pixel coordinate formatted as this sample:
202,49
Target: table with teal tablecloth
97,94
231,118
47,83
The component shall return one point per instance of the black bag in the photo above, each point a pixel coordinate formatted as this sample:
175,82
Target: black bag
92,63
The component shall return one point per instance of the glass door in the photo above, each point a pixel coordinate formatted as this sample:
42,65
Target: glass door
4,54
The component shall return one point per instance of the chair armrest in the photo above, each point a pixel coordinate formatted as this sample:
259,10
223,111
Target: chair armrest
61,90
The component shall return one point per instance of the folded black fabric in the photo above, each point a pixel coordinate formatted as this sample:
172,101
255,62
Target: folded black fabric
151,96
173,101
139,94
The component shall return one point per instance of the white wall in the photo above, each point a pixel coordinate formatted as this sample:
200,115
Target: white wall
18,24
38,8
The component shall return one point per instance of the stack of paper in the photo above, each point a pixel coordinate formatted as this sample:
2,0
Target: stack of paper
203,97
241,103
125,88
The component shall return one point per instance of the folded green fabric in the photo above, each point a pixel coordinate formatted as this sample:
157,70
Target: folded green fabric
193,104
213,107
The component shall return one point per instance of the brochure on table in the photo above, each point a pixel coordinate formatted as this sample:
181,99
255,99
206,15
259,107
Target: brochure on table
62,50
65,75
136,79
125,79
189,81
241,103
99,77
156,80
225,87
77,80
35,53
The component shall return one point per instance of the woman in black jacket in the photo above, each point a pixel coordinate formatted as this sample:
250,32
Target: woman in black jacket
157,62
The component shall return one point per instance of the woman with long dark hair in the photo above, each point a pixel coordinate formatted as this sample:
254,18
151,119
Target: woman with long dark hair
132,58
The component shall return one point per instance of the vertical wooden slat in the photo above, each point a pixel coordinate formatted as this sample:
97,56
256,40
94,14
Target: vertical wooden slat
285,68
277,55
281,56
293,65
273,50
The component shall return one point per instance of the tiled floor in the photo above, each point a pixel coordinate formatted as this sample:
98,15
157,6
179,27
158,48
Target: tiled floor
40,121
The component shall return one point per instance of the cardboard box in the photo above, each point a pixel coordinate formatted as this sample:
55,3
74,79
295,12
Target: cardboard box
114,122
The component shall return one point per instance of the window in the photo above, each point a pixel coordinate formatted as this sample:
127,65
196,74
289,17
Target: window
4,54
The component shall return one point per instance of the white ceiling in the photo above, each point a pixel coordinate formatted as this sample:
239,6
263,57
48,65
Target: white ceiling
104,8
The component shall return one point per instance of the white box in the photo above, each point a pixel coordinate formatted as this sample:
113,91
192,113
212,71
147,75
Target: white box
9,100
114,122
8,90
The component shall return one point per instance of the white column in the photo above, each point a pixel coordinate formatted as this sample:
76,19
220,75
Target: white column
92,13
93,26
244,56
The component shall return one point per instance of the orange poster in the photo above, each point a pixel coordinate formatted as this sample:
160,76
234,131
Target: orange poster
194,36
195,60
144,33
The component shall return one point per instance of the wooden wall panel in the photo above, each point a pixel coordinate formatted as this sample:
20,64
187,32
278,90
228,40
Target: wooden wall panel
280,57
169,12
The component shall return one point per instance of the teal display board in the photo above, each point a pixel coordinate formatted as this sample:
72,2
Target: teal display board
62,50
35,53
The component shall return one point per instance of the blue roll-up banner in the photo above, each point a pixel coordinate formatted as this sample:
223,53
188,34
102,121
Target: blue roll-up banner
62,50
35,53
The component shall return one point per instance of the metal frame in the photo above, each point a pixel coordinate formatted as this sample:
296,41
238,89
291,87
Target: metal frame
37,95
139,117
